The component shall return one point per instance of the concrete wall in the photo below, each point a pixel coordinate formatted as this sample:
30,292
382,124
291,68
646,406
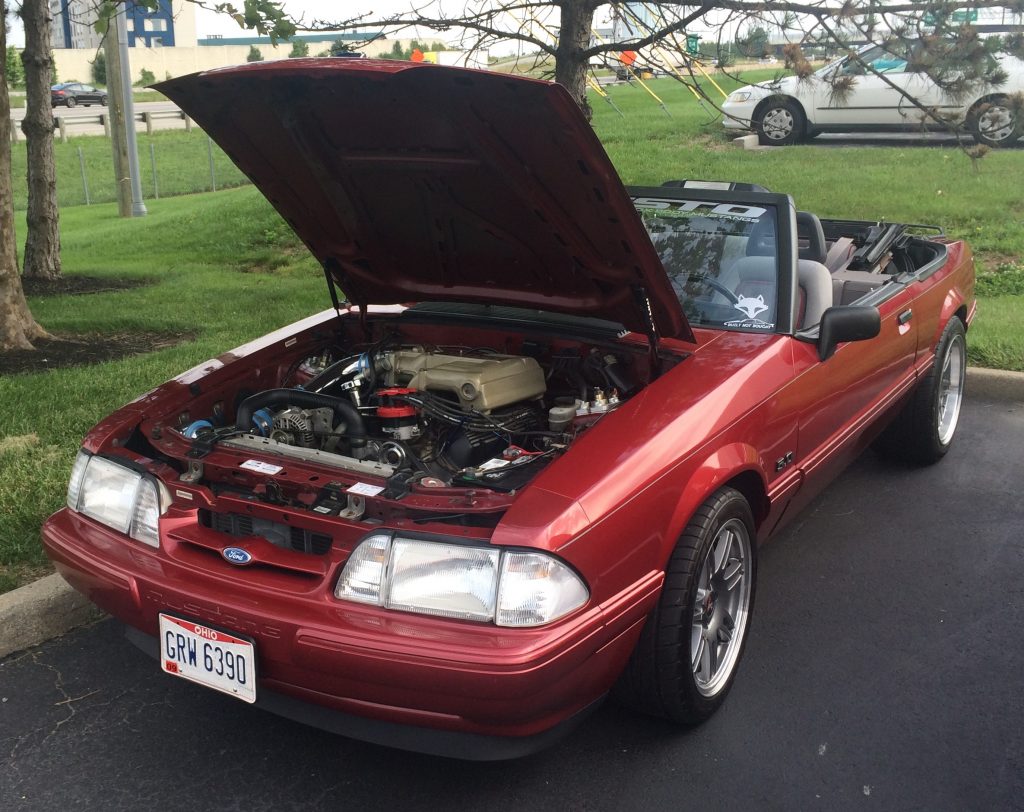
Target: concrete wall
171,62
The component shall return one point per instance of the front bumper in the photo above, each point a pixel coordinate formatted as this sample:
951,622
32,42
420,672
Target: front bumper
408,681
737,115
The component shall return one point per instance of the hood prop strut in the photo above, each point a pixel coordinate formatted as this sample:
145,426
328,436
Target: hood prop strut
331,265
644,301
332,289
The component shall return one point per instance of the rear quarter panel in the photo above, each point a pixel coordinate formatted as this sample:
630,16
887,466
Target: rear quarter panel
941,295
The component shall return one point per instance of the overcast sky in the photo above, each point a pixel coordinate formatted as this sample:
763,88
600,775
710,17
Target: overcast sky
209,22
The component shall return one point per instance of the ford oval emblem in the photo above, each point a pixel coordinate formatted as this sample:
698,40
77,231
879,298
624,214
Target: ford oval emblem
236,555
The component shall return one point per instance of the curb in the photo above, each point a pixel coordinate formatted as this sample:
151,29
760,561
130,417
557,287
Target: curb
996,384
48,608
39,611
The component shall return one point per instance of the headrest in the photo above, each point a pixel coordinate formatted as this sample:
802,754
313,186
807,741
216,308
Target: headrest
810,237
761,240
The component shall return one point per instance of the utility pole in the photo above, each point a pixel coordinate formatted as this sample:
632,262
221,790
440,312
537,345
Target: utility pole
115,110
138,207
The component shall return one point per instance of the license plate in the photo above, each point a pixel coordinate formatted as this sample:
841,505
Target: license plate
208,656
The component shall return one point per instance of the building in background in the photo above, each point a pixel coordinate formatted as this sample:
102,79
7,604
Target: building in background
164,42
173,22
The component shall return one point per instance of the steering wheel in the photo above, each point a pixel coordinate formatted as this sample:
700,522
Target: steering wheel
718,286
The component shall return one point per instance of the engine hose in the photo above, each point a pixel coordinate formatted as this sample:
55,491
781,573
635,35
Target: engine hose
471,421
343,410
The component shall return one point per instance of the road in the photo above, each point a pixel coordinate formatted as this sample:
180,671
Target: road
883,672
79,113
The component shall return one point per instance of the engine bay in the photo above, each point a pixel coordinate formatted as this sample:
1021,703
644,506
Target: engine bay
398,416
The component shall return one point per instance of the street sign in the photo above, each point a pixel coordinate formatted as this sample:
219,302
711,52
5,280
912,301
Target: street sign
964,15
692,44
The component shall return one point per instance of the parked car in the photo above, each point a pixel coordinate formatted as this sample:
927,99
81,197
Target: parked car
528,459
72,93
789,110
628,74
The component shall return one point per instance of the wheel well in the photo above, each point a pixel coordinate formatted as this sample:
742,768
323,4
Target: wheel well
749,483
991,97
962,315
777,97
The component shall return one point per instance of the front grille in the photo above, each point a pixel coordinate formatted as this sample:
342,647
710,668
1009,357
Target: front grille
240,525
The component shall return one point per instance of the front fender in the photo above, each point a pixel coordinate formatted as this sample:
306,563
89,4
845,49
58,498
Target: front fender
723,465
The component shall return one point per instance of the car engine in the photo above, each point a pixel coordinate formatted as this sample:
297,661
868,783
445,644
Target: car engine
441,415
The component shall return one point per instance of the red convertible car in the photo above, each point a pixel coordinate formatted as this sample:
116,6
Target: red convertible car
528,456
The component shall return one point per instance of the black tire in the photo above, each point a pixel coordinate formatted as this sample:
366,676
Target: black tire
660,678
103,101
924,429
996,122
70,102
780,122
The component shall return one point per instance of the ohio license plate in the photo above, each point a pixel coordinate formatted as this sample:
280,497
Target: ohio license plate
210,657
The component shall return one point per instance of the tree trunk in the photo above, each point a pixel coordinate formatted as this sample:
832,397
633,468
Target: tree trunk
42,242
17,327
573,39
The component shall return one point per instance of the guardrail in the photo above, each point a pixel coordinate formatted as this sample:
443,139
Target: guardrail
62,123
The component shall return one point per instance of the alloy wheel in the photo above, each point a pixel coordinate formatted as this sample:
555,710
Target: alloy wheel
721,608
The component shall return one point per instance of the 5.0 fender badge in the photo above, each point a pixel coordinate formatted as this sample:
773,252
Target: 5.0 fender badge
236,555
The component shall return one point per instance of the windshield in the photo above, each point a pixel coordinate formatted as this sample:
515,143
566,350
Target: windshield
720,258
836,62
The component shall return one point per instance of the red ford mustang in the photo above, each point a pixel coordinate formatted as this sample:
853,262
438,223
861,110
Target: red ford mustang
456,525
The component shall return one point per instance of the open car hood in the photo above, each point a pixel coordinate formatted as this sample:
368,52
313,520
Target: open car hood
425,183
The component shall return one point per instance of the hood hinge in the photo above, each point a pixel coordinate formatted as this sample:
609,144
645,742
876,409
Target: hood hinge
644,302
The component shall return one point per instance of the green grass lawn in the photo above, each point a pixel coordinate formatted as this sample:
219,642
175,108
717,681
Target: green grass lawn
226,268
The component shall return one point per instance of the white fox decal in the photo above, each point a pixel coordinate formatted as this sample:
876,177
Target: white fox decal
752,307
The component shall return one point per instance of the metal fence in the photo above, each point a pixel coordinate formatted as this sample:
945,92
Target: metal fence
172,162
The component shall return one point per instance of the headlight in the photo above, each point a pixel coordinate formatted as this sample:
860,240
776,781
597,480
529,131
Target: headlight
123,499
510,588
738,96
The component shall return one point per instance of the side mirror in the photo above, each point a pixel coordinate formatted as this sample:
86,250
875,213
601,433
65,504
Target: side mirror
850,323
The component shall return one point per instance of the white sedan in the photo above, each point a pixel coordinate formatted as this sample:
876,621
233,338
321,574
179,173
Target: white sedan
790,110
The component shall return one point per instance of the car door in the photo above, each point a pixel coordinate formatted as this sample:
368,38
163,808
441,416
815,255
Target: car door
874,99
837,400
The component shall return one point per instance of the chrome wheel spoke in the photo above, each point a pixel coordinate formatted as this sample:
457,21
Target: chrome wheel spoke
698,607
709,659
701,658
720,550
732,575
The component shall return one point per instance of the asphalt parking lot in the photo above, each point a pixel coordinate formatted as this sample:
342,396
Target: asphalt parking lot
884,671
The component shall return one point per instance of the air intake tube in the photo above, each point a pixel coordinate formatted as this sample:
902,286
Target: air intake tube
344,412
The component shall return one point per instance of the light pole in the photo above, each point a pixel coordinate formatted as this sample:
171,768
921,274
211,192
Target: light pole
128,105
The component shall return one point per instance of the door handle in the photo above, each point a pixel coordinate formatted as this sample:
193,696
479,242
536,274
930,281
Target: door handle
905,316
